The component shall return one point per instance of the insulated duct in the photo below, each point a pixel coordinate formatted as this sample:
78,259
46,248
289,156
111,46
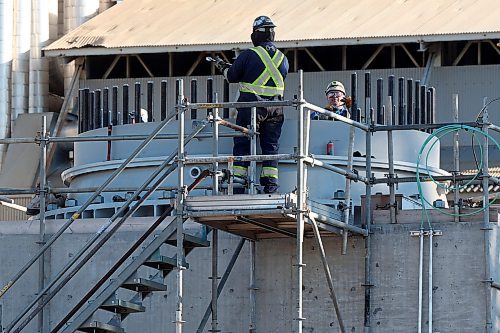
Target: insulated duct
39,67
6,24
21,58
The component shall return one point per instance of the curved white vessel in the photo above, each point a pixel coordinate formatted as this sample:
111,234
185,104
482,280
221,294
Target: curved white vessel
91,167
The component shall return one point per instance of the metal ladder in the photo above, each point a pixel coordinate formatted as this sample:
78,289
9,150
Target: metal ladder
130,278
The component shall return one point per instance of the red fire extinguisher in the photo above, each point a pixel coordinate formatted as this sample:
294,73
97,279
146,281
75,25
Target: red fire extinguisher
329,148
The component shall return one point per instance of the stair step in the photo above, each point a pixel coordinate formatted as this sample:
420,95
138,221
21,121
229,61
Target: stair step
190,241
143,285
121,306
163,263
95,326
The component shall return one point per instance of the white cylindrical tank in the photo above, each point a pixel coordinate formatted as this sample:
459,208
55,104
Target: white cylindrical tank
39,67
6,24
21,58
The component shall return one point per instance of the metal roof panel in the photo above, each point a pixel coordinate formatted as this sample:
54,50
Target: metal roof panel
180,25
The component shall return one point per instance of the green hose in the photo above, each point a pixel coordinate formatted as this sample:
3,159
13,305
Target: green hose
436,136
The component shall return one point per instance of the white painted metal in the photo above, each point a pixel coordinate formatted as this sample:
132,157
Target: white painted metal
39,67
6,23
21,58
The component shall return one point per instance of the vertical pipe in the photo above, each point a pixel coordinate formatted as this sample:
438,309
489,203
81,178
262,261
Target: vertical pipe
105,107
194,96
252,170
380,93
85,110
180,206
367,317
428,108
43,193
20,56
163,98
486,221
420,280
215,248
91,114
97,109
230,168
423,104
390,92
431,232
390,156
210,92
215,148
300,203
80,110
401,101
253,289
137,113
125,106
431,119
150,101
409,102
417,102
456,160
368,95
39,66
225,98
354,95
114,106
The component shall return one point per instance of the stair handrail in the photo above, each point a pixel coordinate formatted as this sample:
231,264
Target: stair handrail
45,298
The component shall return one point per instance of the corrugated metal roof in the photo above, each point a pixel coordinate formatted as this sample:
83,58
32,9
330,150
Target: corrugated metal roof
477,188
195,25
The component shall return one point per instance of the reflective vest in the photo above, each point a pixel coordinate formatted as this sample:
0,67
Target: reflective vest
271,72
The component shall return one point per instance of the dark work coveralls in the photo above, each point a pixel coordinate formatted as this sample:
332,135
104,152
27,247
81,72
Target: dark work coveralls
260,72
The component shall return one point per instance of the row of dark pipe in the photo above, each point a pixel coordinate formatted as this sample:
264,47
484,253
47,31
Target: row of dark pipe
415,102
99,108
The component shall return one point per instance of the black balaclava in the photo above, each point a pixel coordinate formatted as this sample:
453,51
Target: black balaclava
259,37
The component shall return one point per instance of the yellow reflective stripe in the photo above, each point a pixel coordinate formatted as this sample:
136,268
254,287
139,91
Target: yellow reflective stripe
240,171
270,172
271,67
260,90
271,71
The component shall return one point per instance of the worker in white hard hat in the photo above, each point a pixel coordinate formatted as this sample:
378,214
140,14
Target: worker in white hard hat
336,101
260,73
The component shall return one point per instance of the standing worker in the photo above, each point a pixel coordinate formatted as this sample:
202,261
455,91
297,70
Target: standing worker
260,72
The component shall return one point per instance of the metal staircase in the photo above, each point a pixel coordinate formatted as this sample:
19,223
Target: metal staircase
131,278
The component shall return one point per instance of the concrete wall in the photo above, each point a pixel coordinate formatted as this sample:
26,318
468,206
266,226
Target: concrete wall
459,293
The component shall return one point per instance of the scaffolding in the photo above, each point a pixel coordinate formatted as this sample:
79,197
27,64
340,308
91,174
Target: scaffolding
282,215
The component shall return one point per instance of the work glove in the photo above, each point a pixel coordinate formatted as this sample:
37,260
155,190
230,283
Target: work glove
222,65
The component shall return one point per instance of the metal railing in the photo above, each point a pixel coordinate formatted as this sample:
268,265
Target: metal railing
301,156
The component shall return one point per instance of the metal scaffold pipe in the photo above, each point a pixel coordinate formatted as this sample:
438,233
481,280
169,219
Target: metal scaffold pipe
486,223
180,207
89,201
300,206
368,217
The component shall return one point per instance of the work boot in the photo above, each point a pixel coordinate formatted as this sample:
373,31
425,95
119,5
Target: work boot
269,189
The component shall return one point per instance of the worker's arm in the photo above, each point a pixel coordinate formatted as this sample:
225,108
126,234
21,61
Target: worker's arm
236,72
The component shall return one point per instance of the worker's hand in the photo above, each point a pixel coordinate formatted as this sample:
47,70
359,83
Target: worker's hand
222,65
348,101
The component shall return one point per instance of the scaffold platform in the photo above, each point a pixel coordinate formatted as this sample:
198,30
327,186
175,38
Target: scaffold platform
263,216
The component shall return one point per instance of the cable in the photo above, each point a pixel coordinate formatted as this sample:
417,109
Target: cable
436,136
